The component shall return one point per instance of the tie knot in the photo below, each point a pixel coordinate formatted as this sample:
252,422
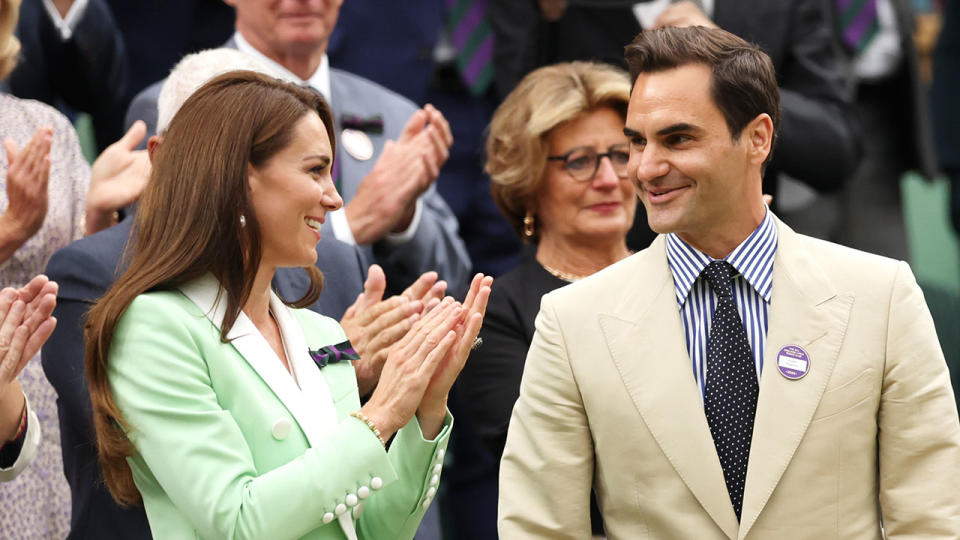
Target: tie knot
718,274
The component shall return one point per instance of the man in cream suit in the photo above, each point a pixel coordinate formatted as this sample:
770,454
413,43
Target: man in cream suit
735,379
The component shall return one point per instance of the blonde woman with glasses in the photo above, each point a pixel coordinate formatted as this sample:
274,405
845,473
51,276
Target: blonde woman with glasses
557,160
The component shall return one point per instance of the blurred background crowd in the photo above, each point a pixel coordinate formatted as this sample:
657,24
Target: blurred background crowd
868,156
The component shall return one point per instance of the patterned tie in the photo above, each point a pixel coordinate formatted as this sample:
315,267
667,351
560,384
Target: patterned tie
858,22
730,399
473,41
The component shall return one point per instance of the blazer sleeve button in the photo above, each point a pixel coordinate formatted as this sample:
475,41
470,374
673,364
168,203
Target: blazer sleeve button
376,482
352,500
340,509
363,492
328,517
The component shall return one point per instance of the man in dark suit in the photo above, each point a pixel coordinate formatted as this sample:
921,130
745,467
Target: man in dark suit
818,142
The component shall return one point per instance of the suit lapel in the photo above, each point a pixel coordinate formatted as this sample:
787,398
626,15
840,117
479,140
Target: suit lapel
805,310
653,362
250,344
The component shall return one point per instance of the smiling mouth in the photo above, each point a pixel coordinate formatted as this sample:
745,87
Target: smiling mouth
664,191
314,224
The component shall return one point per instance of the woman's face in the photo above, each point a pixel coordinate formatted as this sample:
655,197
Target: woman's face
292,193
599,209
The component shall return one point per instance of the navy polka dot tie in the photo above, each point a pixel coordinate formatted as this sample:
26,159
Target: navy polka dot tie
730,399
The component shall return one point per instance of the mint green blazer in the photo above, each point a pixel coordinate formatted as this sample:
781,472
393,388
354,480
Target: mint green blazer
230,445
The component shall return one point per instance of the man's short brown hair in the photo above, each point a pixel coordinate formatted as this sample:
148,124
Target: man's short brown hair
743,84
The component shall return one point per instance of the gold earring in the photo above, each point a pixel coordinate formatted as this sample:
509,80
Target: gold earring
528,230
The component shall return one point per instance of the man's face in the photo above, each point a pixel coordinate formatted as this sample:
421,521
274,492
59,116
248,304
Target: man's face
692,177
285,27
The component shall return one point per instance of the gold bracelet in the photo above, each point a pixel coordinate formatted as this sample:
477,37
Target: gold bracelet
373,427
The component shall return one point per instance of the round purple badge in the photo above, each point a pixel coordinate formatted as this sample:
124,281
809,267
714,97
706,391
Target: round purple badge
793,362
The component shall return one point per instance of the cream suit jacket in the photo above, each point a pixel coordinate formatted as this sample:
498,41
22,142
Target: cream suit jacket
608,401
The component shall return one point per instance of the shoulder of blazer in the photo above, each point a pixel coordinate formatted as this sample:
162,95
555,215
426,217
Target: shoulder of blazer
360,87
611,286
848,268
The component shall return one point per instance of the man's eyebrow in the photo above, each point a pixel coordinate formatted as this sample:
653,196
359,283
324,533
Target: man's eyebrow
630,133
675,128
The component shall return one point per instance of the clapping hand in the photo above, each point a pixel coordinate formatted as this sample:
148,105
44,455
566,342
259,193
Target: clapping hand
433,407
373,324
25,324
422,366
117,178
386,198
28,174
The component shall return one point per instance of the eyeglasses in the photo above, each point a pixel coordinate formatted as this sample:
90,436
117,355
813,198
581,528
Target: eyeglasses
583,162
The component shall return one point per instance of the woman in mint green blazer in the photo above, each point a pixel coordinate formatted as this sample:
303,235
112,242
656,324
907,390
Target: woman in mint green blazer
230,412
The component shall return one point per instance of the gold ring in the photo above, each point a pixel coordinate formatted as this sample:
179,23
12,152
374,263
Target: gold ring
477,342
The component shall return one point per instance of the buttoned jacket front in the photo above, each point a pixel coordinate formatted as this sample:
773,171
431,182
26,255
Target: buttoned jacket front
230,445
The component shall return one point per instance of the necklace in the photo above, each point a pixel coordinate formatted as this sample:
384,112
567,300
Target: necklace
565,276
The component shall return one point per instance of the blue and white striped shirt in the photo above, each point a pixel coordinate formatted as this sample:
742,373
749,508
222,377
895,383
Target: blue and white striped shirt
753,259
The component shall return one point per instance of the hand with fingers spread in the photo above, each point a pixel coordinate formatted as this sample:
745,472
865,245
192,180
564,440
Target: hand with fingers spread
433,407
28,174
117,178
25,324
385,200
410,366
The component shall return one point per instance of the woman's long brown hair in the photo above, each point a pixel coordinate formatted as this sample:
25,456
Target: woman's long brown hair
188,224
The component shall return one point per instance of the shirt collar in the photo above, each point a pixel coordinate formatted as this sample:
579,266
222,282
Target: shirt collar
319,81
753,259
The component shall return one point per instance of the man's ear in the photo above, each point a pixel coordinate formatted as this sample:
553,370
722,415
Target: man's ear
759,136
152,144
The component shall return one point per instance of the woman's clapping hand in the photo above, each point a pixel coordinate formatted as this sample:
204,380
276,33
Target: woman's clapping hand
422,366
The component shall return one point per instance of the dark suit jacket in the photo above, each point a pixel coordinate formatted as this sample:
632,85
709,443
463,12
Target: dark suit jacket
157,34
85,270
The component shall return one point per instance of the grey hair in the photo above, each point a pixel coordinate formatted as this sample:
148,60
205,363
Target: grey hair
196,69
